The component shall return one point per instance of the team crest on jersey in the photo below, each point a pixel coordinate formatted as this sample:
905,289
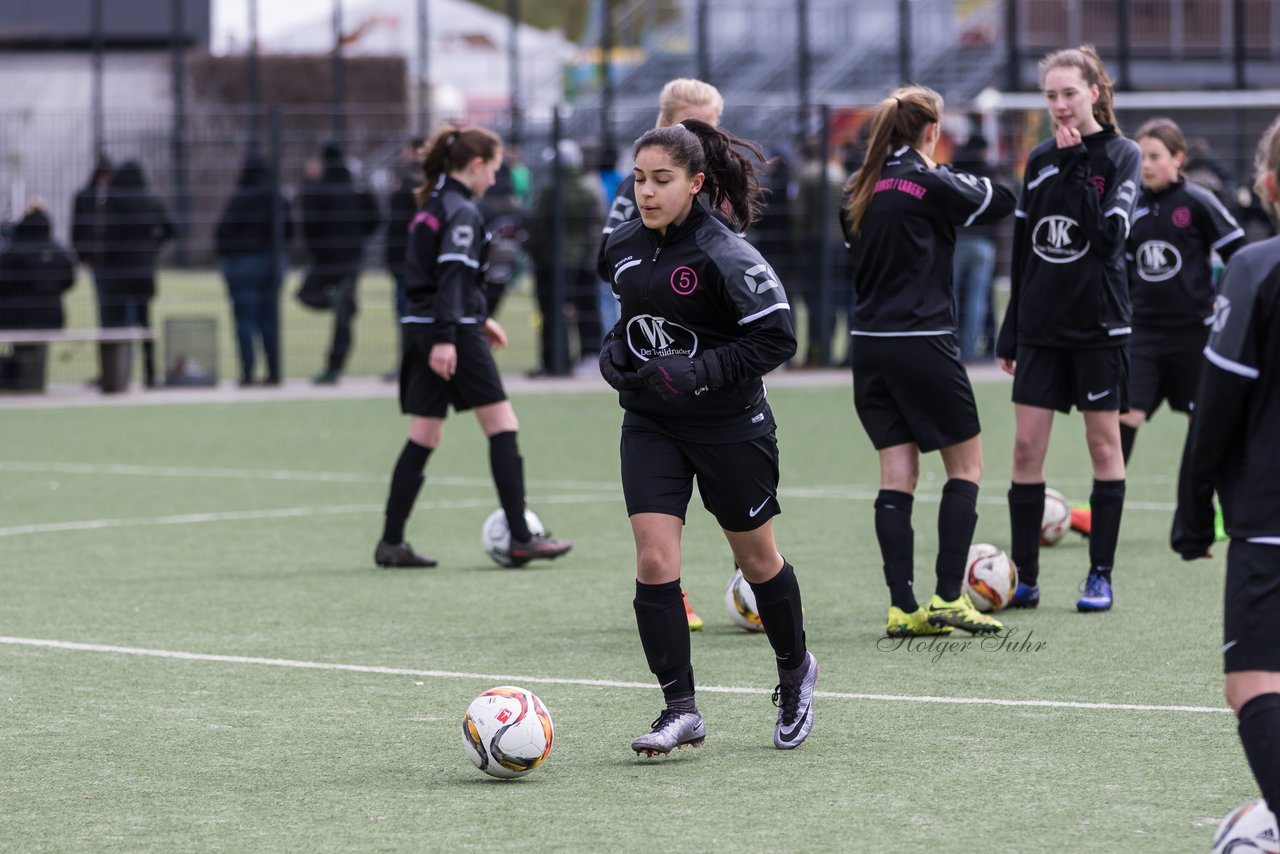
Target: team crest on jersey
1182,216
653,337
1059,240
1157,261
462,235
1099,184
1221,311
760,278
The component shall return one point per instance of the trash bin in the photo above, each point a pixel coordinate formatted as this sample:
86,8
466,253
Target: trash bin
115,359
191,351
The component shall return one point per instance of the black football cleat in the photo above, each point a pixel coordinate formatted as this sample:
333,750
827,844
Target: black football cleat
400,556
537,547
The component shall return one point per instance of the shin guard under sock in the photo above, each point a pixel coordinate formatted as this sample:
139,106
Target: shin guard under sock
1026,515
897,546
1259,728
406,481
783,616
508,477
957,518
664,634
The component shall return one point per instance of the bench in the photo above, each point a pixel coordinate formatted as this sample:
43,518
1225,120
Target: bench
27,372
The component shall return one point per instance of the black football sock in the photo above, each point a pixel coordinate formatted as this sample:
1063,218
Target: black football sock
406,481
782,616
957,518
1026,514
664,634
1106,503
1259,730
897,546
1127,435
508,476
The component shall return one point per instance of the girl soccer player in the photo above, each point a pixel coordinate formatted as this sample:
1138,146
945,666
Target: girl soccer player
703,318
447,337
680,99
1176,228
1232,446
1065,331
909,386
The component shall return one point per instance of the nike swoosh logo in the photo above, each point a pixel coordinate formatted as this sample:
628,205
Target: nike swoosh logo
753,511
798,725
1099,396
1226,646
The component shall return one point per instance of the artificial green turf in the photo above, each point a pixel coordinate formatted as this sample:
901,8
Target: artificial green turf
109,751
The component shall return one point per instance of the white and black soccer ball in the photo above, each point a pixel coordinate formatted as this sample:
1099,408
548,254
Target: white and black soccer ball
740,602
1057,517
495,536
1250,828
989,577
507,732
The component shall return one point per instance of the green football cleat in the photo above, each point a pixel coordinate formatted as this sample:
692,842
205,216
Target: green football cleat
913,625
1219,527
961,614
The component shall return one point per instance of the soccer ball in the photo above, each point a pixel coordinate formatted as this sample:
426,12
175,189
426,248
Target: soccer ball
1249,828
740,602
495,536
989,577
1057,517
507,732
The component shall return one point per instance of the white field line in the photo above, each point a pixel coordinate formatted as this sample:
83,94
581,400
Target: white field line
500,678
278,513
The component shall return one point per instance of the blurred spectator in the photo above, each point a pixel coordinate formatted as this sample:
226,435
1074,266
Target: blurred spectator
582,206
974,267
253,263
771,233
518,173
35,271
137,226
606,161
818,190
87,221
402,208
504,218
1201,168
337,218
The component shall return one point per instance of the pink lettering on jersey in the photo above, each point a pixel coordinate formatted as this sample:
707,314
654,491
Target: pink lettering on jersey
902,185
428,218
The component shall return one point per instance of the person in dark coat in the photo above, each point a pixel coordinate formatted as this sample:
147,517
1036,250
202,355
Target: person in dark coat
337,218
136,227
402,208
251,236
87,221
35,271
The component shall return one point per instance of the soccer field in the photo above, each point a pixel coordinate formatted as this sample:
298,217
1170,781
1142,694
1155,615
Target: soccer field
198,653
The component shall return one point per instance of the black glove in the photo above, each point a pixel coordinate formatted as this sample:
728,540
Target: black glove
615,363
675,376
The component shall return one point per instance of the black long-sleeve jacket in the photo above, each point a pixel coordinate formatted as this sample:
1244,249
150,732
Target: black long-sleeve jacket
1069,286
446,262
697,289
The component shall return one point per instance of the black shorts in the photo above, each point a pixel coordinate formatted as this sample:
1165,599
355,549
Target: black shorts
1164,364
913,389
1090,379
1251,601
425,393
738,482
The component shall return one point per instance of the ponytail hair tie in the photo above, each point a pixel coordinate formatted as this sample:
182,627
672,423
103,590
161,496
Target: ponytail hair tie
899,100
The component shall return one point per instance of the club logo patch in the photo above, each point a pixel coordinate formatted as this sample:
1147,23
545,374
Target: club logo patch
462,235
1099,184
684,281
1221,311
1158,261
760,278
1182,216
1058,240
650,337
